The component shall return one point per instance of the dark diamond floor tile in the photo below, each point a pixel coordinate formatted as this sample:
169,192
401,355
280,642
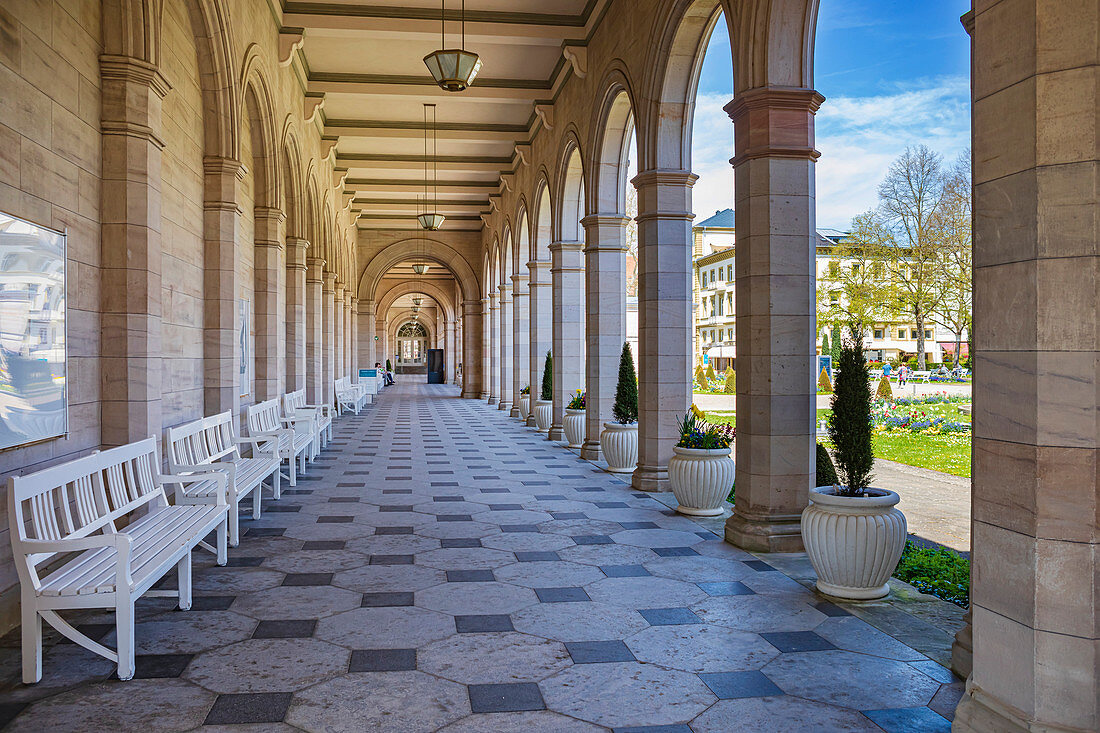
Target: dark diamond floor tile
536,556
909,720
297,492
212,603
393,530
387,599
397,491
639,525
382,660
797,641
308,579
396,508
285,629
496,491
726,588
323,545
343,500
513,528
730,685
758,565
447,498
593,539
831,609
391,559
264,532
252,707
611,505
568,515
453,518
460,542
484,622
470,576
675,551
287,508
249,562
561,595
8,711
549,497
335,520
675,728
595,652
512,697
669,616
153,666
624,571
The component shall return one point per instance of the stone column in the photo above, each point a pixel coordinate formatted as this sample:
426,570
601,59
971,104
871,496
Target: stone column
540,300
567,294
521,335
776,310
270,293
338,336
328,337
483,356
130,249
221,269
605,325
504,351
450,356
494,347
368,347
353,337
315,366
472,348
664,319
1036,449
295,313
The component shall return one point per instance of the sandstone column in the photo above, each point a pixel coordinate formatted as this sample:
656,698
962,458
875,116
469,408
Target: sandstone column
368,347
328,337
493,340
270,294
130,119
472,345
540,301
776,308
483,357
353,337
521,335
1036,504
295,313
505,350
450,355
664,318
605,324
338,336
315,367
223,381
567,330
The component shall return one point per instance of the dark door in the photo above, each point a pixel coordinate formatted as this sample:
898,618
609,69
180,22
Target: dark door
435,366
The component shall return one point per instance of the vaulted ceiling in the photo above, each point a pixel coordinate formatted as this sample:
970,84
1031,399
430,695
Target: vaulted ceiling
365,61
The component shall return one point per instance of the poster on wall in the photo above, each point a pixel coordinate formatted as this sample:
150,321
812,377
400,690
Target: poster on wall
33,397
245,343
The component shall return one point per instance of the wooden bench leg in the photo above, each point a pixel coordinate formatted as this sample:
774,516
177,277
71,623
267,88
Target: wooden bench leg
256,501
234,522
183,571
124,625
277,483
223,551
293,470
32,642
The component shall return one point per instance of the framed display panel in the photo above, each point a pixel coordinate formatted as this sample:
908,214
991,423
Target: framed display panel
33,395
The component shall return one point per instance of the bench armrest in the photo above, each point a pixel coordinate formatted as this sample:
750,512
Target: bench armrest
219,476
263,445
309,420
121,543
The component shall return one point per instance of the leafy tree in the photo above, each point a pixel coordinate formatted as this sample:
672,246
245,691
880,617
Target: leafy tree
849,423
826,472
836,343
730,386
547,379
954,309
855,292
626,392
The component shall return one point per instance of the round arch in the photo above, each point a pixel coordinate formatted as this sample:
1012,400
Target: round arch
443,299
433,250
221,113
609,151
571,203
543,233
292,184
258,107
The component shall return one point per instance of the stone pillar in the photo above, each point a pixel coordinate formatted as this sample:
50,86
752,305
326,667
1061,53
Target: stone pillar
353,336
221,269
494,347
483,356
540,315
295,313
270,293
450,355
521,335
315,368
605,324
567,331
338,336
1036,504
328,337
776,310
130,250
504,351
472,319
664,319
368,347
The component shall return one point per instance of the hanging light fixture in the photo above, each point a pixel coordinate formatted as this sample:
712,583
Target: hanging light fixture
453,69
430,220
420,267
417,301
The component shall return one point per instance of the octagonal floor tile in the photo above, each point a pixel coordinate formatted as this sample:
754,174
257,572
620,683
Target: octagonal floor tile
382,544
645,592
656,538
465,558
557,574
701,648
698,569
851,680
577,527
584,621
267,665
316,561
780,714
391,627
607,554
493,658
296,602
473,598
388,578
759,613
231,581
527,542
540,720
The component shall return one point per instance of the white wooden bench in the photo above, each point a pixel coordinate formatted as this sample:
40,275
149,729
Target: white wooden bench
71,553
294,434
350,396
294,405
212,444
922,376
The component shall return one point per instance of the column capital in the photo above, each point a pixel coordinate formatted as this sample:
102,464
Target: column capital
133,70
471,306
504,289
569,246
774,122
221,176
601,220
350,299
664,177
296,248
315,266
519,278
494,300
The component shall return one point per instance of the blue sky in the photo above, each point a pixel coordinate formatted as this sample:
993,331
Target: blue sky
893,73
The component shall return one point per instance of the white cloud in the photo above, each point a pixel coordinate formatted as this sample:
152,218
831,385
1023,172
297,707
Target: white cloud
858,138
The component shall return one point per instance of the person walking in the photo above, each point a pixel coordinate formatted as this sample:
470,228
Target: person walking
903,374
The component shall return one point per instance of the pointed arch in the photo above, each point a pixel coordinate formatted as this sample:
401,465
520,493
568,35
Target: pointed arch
132,28
444,299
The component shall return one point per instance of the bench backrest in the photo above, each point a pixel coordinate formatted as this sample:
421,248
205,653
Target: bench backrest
294,400
201,441
264,417
81,497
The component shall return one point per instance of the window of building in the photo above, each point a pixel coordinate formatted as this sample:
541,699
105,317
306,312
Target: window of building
914,334
878,333
721,274
928,334
901,334
721,302
729,273
834,298
703,275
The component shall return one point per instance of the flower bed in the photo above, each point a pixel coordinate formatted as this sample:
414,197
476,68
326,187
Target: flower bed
936,571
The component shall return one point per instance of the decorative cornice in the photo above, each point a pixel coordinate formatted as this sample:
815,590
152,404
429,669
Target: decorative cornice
545,112
129,69
664,177
787,98
312,104
774,122
601,220
290,40
578,57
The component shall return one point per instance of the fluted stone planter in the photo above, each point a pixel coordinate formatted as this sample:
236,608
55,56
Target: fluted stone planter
542,415
574,427
524,407
619,444
854,542
701,480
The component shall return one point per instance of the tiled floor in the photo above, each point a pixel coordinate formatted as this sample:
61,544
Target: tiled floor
443,568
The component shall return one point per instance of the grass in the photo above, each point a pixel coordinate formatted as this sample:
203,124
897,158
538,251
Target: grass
946,453
936,571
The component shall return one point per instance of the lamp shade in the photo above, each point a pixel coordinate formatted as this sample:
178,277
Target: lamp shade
453,69
420,268
431,222
417,301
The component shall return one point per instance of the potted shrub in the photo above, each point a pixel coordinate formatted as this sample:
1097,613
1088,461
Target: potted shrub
546,398
574,420
701,471
525,402
853,533
619,439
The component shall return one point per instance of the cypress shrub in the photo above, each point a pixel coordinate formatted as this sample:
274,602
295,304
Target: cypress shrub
626,392
825,350
731,382
884,391
826,473
548,378
388,367
850,421
836,343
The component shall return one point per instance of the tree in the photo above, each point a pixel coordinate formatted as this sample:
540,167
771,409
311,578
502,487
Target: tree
835,353
631,235
954,310
548,379
849,423
825,344
826,473
730,386
854,292
625,409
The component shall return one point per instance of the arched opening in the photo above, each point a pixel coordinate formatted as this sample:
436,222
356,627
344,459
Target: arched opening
412,347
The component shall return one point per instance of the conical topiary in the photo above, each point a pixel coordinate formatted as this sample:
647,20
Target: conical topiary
700,376
626,393
884,391
711,376
823,382
850,421
388,367
826,473
731,382
548,379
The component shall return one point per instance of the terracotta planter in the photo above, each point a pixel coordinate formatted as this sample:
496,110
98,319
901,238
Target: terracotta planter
701,480
542,415
574,427
854,542
619,444
524,407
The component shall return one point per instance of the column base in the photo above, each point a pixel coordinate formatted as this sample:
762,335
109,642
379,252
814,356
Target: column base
531,421
590,451
469,395
650,478
504,405
514,412
556,432
483,395
781,533
962,649
979,712
492,400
